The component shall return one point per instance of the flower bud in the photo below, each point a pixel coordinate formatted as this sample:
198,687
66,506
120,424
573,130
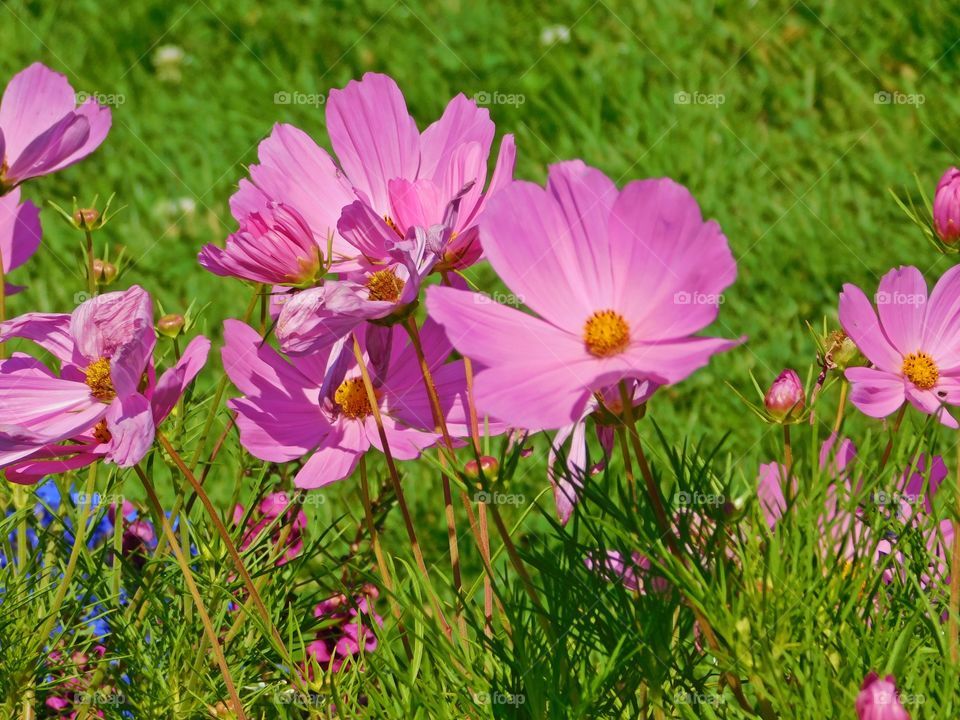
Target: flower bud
879,700
946,207
86,217
842,352
784,399
171,325
488,467
104,272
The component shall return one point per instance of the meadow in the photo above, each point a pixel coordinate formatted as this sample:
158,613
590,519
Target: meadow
807,130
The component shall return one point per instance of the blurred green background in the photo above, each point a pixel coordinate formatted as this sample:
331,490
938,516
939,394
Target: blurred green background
769,112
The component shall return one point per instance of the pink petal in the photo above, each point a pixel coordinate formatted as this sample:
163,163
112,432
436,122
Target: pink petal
332,461
860,322
51,149
31,471
660,242
567,485
419,203
667,362
374,137
405,443
770,492
35,99
462,122
926,401
366,231
875,392
941,336
130,422
526,239
174,382
20,230
902,306
294,170
51,331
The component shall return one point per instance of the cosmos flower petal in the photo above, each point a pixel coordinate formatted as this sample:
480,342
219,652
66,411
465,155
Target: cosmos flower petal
373,135
51,331
462,122
130,423
20,230
876,393
335,459
927,401
174,382
35,99
902,307
942,333
861,324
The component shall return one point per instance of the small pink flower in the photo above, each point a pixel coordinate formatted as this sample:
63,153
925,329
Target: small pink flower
910,339
347,631
274,246
106,400
784,400
41,128
880,700
316,405
946,206
621,281
20,233
275,515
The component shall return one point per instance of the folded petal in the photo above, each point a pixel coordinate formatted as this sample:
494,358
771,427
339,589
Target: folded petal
131,428
51,331
175,381
20,230
35,99
875,392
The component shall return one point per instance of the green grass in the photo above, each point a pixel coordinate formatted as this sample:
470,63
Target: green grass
796,164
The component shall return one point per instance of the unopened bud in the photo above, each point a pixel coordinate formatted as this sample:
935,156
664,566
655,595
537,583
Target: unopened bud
784,399
946,207
86,217
488,467
171,325
104,272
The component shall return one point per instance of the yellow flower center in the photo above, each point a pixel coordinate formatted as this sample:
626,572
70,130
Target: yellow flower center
385,286
920,369
99,380
606,333
351,397
101,433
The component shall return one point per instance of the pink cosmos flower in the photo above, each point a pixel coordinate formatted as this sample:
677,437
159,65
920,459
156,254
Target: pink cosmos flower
20,233
880,700
41,128
275,515
620,281
634,572
913,342
274,246
317,404
106,401
406,178
347,632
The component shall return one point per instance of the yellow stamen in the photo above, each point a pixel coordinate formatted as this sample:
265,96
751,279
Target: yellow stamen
384,285
920,369
392,225
606,333
99,380
351,397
